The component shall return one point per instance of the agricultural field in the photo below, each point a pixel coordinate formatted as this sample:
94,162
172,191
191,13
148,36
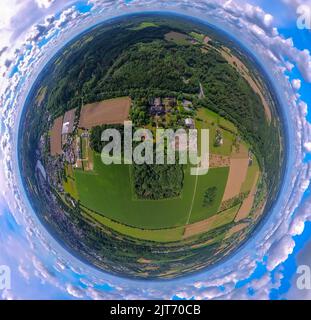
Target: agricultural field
107,195
109,191
56,137
158,235
145,25
218,178
206,118
178,38
118,207
69,183
253,170
214,222
110,111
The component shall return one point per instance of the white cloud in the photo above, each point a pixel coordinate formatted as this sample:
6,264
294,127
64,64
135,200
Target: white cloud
254,19
296,83
44,3
280,251
307,146
8,10
296,3
74,291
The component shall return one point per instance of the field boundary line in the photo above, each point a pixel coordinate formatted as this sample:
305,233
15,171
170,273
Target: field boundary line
193,196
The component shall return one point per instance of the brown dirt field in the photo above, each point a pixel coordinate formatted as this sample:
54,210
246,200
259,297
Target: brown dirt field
113,111
237,175
236,229
177,36
56,137
219,161
207,224
241,153
198,227
207,39
143,260
79,164
248,202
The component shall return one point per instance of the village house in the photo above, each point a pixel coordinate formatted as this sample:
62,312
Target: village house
186,104
157,107
68,125
190,123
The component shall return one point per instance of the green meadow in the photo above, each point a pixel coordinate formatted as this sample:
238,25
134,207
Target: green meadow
212,121
108,191
215,178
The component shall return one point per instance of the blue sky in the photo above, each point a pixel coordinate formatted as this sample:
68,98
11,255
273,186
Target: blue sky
31,31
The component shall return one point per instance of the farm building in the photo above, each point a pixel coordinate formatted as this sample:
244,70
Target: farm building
157,108
187,103
68,122
170,102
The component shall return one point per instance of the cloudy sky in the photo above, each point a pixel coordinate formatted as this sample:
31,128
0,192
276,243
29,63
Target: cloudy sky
33,30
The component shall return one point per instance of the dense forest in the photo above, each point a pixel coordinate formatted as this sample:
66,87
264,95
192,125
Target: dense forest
155,182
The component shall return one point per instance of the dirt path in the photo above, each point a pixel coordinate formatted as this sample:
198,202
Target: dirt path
193,197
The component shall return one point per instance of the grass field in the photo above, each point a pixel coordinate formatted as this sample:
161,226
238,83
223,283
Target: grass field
215,178
70,185
198,36
224,123
84,146
107,196
160,235
221,219
178,38
225,217
108,190
144,25
250,177
210,120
